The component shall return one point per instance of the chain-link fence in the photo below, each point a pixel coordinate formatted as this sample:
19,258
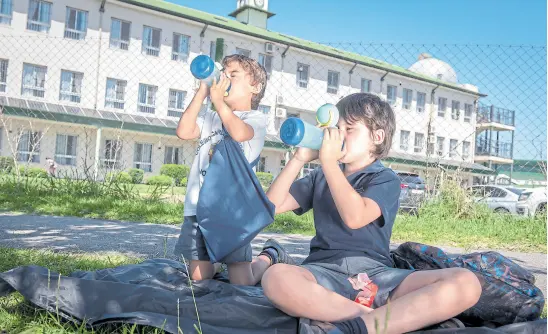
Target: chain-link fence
84,107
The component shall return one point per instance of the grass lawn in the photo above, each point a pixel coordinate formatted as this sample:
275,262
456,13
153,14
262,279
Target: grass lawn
495,232
452,221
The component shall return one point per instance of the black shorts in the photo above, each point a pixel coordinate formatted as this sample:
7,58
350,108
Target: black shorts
192,247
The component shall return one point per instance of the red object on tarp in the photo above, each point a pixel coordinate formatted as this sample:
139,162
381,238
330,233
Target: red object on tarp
368,289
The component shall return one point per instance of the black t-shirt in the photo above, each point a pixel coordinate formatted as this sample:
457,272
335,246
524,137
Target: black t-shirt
375,182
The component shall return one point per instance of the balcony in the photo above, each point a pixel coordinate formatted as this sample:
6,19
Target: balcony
493,150
495,118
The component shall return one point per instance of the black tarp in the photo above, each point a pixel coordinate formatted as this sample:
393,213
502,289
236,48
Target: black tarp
156,293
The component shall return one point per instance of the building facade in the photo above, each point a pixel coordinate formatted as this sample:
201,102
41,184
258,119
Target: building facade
104,83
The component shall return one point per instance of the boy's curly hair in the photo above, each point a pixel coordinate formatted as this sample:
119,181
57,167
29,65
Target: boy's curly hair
374,113
253,68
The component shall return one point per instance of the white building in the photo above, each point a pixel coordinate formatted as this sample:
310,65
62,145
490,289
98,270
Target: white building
105,82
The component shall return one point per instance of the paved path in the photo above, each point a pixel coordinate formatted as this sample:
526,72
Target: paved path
150,240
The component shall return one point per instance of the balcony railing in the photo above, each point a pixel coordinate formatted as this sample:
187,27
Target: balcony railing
493,148
492,114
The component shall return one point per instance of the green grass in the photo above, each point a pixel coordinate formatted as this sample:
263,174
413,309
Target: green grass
452,220
104,207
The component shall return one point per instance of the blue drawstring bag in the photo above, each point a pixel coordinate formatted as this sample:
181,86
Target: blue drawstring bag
232,206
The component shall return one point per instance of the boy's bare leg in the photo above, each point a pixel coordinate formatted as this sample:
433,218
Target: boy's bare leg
437,294
200,270
295,291
248,273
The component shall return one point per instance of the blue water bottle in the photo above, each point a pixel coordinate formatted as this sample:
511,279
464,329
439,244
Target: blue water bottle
295,132
205,69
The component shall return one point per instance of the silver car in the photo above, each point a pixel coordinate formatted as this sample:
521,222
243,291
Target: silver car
499,199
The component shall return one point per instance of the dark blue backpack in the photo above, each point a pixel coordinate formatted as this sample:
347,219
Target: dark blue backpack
232,207
509,294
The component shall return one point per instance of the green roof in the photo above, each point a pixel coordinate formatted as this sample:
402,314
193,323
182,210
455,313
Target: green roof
236,26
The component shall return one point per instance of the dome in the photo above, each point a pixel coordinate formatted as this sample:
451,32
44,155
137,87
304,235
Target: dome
435,68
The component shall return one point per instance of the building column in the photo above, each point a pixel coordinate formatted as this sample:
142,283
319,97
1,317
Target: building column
97,160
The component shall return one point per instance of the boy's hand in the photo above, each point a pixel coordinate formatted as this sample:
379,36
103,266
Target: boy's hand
332,146
202,90
218,89
306,155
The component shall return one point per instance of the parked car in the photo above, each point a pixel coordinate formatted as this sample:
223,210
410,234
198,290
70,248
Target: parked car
532,202
499,199
413,191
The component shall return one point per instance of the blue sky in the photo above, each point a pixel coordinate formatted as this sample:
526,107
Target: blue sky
509,64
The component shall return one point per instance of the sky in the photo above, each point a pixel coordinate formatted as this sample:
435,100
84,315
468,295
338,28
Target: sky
498,45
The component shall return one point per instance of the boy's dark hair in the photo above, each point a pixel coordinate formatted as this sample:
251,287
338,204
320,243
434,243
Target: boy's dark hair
253,68
374,113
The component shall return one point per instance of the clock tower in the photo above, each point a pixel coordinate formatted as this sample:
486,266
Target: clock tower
252,12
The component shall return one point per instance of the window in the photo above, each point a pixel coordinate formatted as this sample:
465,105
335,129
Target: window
119,34
465,150
71,86
28,147
39,17
34,80
266,61
181,47
407,98
442,105
115,93
147,98
151,41
421,101
468,112
142,158
76,23
309,167
419,142
171,155
302,75
455,110
243,52
332,82
264,109
366,86
261,164
440,143
212,49
404,140
494,192
113,153
5,11
391,93
3,74
176,104
453,148
65,150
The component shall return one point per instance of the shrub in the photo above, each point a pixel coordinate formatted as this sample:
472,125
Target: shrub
160,180
265,178
6,164
177,172
33,172
120,177
137,175
184,182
